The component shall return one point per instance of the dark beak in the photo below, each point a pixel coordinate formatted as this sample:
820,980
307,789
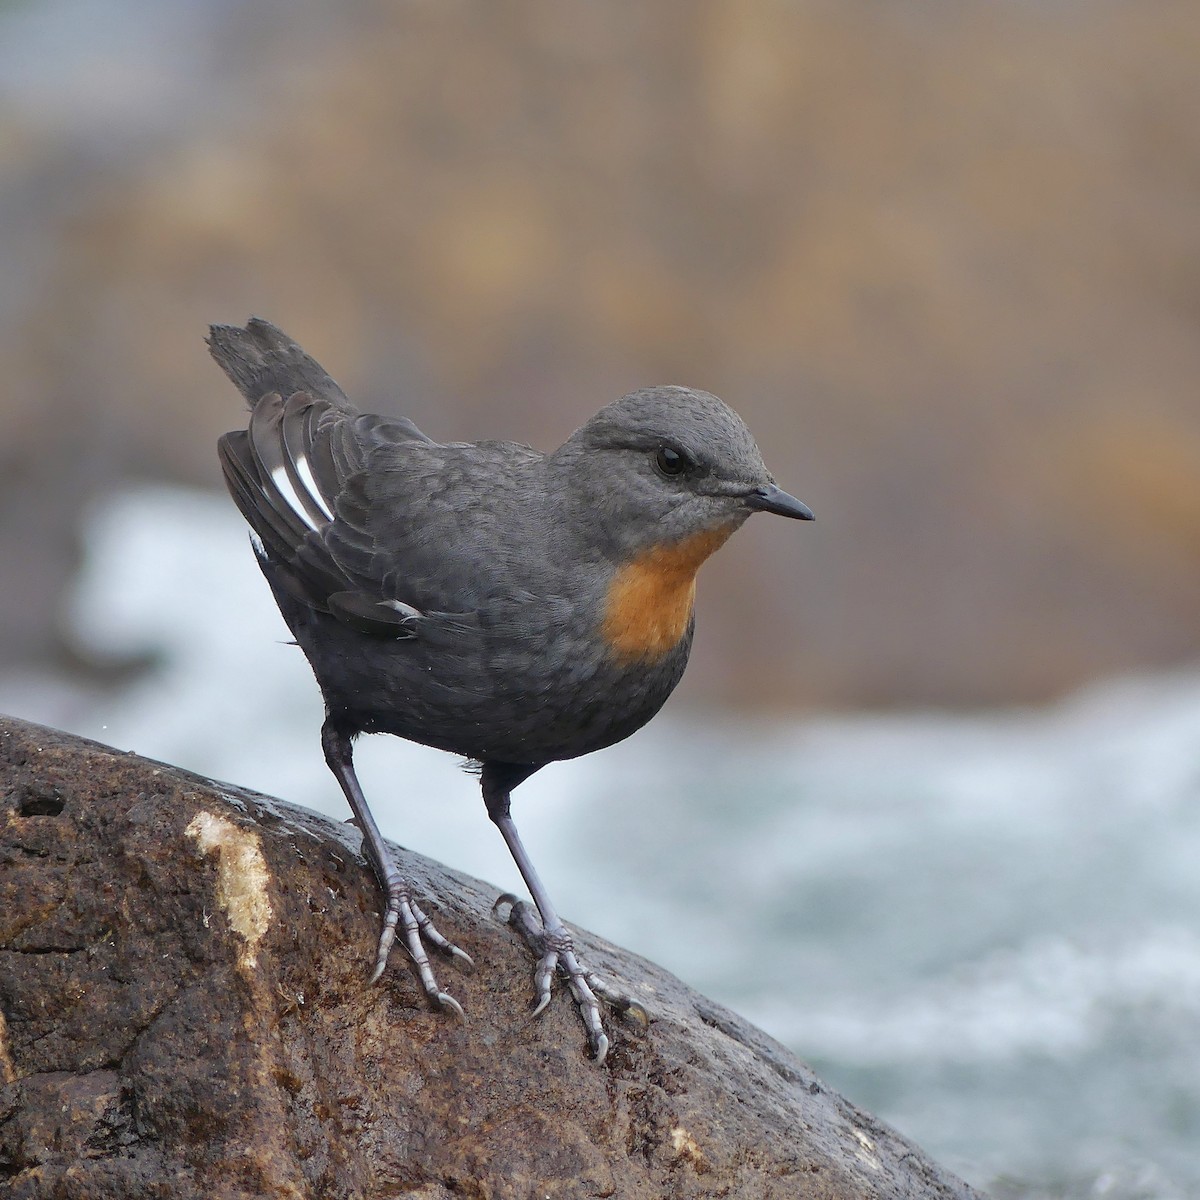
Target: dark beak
772,499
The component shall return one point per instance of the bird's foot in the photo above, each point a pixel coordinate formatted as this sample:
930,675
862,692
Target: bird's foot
404,912
556,953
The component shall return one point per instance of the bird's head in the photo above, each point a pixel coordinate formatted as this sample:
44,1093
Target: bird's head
667,464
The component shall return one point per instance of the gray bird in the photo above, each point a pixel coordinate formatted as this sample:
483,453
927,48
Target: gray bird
511,607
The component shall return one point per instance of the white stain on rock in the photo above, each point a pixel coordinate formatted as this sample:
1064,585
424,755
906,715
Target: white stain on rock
688,1149
8,1070
241,879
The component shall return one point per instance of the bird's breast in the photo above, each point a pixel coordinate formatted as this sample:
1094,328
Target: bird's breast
649,601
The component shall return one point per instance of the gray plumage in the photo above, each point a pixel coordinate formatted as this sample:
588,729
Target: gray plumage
465,596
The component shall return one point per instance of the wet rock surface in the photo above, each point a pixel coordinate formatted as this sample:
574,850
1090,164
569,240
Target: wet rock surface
184,1012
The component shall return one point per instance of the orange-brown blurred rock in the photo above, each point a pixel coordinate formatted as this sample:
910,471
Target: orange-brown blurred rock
944,260
184,1013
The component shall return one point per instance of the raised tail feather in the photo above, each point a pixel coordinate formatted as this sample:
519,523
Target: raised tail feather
261,359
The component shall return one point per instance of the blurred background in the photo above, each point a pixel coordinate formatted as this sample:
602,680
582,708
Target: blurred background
926,800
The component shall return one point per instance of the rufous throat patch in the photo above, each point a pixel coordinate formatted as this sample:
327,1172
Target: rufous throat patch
650,598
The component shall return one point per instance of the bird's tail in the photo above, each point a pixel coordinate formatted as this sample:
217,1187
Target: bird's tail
261,359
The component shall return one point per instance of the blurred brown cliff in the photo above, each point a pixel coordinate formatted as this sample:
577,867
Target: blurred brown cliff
944,258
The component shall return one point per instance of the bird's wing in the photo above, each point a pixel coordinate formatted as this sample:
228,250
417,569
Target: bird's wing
363,517
286,472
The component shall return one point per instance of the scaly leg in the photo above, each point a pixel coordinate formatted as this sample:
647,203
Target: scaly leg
550,941
402,909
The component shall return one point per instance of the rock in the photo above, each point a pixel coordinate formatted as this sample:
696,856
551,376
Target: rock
184,1012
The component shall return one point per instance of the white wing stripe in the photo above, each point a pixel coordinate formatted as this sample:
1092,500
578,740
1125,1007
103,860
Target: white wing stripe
310,484
280,478
405,610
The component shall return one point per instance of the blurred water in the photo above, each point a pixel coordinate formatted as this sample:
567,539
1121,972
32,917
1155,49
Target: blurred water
985,928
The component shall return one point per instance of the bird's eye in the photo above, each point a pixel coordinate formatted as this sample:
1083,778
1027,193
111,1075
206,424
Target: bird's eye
671,461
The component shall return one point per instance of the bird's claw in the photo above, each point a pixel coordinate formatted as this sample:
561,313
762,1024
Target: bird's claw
556,953
448,1003
626,1007
404,912
543,977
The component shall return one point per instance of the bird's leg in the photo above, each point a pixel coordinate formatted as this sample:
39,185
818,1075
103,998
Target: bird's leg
549,940
402,908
